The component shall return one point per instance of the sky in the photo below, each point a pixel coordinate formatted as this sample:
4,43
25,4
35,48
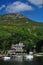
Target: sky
32,9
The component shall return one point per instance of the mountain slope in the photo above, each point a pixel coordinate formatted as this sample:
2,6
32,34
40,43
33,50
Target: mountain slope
16,26
15,19
11,21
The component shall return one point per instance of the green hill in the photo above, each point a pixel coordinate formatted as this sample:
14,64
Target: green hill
16,27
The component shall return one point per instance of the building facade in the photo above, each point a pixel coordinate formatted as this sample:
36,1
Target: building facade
17,48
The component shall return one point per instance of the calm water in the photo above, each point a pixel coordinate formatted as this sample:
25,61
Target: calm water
22,61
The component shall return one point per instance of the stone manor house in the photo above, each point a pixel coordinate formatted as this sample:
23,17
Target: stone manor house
16,48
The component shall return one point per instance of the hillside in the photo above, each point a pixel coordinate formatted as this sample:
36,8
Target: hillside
16,27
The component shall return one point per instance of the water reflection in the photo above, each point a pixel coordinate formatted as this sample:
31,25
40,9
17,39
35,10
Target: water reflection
20,60
38,60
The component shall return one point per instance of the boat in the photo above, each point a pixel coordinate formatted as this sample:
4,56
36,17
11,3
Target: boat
30,56
6,58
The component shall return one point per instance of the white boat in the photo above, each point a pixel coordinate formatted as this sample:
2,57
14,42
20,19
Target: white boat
29,57
6,58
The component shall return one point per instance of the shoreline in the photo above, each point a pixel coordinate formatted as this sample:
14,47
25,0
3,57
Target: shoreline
38,54
35,55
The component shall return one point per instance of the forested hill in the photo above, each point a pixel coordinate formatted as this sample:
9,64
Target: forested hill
16,26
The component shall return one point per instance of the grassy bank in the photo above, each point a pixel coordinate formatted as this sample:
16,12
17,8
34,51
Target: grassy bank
38,54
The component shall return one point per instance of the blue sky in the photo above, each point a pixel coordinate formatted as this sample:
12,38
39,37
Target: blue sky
32,9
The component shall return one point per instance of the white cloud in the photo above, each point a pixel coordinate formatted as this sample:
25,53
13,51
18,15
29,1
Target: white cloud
36,2
1,7
17,7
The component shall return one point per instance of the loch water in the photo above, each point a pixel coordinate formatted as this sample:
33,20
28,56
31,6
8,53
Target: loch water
20,60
